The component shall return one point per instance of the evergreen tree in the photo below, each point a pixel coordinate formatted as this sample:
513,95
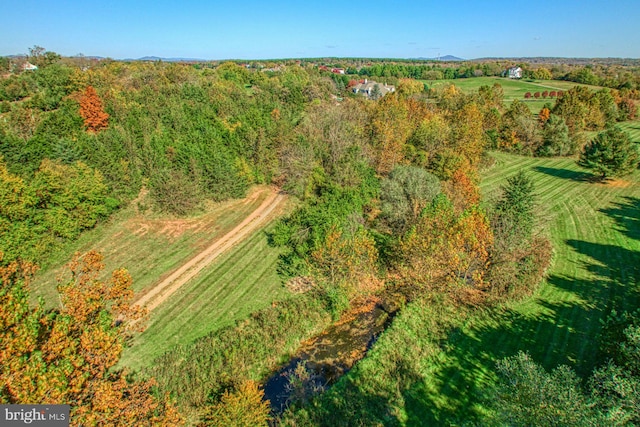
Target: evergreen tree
514,211
610,154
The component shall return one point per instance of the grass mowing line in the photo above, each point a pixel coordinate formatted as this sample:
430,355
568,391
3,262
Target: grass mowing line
237,283
559,323
412,378
163,290
512,88
147,246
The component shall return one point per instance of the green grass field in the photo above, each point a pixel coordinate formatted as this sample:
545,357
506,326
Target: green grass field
240,281
434,365
148,246
513,89
595,231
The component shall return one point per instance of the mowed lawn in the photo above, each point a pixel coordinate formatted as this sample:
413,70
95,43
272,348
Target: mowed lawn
513,89
595,231
148,246
238,282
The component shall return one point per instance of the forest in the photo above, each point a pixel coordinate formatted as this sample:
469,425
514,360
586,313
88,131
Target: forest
389,206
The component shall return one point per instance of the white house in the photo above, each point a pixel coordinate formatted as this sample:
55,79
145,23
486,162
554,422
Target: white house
28,66
514,73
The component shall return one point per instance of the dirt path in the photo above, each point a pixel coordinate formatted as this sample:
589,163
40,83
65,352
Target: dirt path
164,289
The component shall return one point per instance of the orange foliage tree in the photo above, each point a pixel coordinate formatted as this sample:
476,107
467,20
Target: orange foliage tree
446,250
67,356
462,189
91,110
544,115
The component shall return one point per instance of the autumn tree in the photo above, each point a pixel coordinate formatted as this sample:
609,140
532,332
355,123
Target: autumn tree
68,355
431,136
346,263
404,194
544,115
627,109
389,129
520,130
573,107
243,407
542,74
447,251
408,87
610,154
462,189
91,110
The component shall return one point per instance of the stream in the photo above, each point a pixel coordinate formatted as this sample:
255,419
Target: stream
321,361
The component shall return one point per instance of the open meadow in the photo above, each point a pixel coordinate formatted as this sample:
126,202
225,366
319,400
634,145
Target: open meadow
595,233
513,89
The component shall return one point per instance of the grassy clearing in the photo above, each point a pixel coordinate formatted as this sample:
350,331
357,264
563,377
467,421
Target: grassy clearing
513,89
423,372
633,128
239,282
148,247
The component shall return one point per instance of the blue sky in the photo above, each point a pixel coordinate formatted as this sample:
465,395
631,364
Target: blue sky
253,29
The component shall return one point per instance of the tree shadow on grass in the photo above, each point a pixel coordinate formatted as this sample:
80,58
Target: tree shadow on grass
626,214
552,332
578,176
559,326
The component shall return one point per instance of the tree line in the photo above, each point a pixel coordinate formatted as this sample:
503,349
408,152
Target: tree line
388,190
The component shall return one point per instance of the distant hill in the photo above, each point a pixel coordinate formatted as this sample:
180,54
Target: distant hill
157,58
450,58
446,58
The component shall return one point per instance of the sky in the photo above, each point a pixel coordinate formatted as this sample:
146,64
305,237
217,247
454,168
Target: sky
252,29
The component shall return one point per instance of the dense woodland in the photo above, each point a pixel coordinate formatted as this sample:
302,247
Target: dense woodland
389,204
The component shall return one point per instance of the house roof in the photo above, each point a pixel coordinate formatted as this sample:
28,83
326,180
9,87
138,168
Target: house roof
367,87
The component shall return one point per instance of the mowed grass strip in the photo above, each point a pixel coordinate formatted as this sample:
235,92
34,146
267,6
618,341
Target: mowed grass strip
595,232
239,282
149,247
633,129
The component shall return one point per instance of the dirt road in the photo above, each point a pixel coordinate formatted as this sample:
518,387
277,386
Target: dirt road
164,289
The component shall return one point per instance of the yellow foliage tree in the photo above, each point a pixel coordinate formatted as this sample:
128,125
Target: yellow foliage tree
447,251
244,407
349,262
